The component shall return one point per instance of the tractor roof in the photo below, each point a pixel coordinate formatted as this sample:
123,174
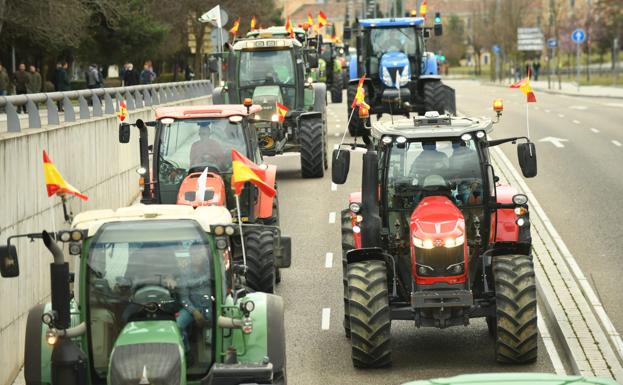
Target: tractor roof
431,127
205,111
392,22
268,42
205,215
275,31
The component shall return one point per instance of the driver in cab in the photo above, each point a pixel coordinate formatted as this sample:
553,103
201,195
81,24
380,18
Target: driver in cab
207,150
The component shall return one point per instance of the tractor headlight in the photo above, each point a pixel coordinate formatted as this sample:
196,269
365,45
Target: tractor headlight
520,199
423,243
455,269
404,76
229,230
454,242
387,78
424,270
355,207
274,118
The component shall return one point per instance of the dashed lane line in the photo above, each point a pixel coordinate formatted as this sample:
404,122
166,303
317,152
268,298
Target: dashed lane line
561,115
576,121
328,260
333,187
548,111
326,318
616,143
596,131
332,217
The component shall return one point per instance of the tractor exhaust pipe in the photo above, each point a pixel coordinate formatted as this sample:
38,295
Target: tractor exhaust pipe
371,225
59,278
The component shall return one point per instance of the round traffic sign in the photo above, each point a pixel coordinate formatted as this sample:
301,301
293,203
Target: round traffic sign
578,36
496,49
552,43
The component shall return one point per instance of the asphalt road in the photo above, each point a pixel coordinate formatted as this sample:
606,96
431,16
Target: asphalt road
578,185
318,352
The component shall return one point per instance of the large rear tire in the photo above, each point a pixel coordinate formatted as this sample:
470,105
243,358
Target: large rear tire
370,321
435,96
336,88
355,127
348,243
312,147
516,332
261,274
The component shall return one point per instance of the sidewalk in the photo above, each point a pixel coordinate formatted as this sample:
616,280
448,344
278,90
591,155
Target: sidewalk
571,89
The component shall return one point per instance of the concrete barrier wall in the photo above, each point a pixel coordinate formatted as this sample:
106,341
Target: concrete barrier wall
90,157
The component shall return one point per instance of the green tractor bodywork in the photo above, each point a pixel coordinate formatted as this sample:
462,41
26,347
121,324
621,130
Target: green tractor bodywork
515,379
125,311
271,68
333,70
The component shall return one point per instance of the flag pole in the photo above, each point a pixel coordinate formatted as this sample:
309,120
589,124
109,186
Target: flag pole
244,253
344,135
528,119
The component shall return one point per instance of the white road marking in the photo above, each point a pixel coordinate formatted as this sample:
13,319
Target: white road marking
333,187
328,261
546,336
561,115
338,126
548,111
337,134
326,318
596,131
536,108
332,217
581,108
616,143
557,142
576,121
613,104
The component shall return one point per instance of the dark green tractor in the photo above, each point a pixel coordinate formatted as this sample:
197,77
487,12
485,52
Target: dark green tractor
273,70
332,74
155,301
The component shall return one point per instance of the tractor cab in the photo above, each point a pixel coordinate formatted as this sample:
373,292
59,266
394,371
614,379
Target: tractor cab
155,301
436,219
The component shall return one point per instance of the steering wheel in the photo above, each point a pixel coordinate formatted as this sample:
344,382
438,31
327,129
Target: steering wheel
153,299
171,171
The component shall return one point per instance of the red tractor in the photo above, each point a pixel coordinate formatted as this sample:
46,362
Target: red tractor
435,238
191,165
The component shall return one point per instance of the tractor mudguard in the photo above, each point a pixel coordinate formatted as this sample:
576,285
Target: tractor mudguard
220,374
264,208
320,97
507,230
307,115
365,254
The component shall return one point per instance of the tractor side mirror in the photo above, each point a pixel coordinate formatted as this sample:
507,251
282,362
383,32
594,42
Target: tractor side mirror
312,59
340,164
347,34
124,133
9,266
212,64
526,154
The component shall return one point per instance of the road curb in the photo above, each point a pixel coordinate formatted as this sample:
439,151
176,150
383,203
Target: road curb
581,326
555,92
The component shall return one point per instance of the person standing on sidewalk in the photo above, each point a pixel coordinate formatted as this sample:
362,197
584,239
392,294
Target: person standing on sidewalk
130,76
21,79
34,86
147,75
5,82
61,81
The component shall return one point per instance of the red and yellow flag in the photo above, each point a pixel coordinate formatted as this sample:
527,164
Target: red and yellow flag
246,171
310,21
423,9
282,111
524,86
322,19
54,181
359,100
253,23
123,111
289,27
234,28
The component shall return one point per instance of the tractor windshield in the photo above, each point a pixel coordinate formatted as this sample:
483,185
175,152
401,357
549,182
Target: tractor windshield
199,143
266,68
152,269
383,40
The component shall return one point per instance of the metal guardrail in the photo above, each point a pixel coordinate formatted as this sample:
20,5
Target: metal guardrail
135,97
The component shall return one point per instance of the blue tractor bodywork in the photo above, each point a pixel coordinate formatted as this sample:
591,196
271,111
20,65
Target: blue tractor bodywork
400,76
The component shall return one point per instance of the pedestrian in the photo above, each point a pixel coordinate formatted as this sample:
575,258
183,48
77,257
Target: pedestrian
130,76
188,73
122,73
147,75
21,80
34,87
92,77
61,81
5,82
536,69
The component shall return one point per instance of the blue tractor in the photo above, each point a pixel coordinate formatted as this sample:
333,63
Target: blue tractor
400,76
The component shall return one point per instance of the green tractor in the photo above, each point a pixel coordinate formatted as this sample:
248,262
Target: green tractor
273,70
332,75
155,302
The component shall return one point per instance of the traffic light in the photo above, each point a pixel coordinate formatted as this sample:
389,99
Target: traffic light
438,27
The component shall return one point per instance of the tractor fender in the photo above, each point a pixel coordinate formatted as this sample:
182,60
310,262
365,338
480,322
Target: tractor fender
308,115
506,228
37,353
431,77
320,97
265,203
365,254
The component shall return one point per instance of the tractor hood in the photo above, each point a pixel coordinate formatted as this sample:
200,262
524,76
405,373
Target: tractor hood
394,67
267,97
148,352
437,218
198,189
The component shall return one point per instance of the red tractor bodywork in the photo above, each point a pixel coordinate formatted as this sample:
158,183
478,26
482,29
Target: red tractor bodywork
214,191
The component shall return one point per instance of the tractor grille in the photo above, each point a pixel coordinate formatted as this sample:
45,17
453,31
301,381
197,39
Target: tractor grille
158,363
393,71
438,258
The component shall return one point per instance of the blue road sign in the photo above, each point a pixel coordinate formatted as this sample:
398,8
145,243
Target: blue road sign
552,43
578,36
496,49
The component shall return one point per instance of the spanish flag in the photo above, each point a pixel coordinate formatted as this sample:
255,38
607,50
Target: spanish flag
524,86
253,23
310,21
246,171
234,28
54,181
123,111
423,9
282,111
359,100
289,27
322,19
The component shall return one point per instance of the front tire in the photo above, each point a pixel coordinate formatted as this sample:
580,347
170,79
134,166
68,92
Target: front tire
261,274
435,96
336,88
312,148
516,332
370,320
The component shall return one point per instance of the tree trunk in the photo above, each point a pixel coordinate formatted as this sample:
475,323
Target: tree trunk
199,33
2,12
